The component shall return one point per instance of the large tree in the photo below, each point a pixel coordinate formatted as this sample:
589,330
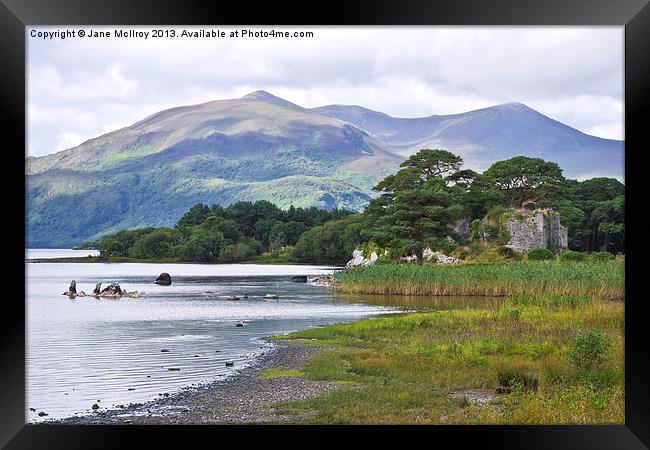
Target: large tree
416,208
418,169
525,179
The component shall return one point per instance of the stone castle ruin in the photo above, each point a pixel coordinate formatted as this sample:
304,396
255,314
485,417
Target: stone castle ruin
537,229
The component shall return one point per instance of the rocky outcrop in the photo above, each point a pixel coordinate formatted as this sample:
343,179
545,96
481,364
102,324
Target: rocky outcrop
461,227
113,290
542,229
164,279
429,255
359,260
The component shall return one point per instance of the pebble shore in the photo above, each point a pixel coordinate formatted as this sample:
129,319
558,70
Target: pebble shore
243,398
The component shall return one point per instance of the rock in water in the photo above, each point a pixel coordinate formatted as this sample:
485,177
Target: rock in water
271,296
95,406
164,279
299,279
98,288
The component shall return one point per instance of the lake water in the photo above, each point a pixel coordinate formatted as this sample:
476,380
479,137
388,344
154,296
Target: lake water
48,253
108,351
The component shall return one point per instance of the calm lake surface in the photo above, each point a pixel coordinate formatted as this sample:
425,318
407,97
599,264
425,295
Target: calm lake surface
44,253
108,351
85,349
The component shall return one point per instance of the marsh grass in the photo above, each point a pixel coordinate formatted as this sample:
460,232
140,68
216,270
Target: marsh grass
602,279
404,367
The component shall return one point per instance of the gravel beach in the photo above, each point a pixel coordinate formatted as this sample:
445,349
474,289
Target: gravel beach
243,398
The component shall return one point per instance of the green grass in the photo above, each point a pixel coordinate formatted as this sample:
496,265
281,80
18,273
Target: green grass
600,279
405,367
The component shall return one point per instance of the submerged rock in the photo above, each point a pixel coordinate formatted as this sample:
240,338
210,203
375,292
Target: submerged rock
271,296
322,281
299,278
164,279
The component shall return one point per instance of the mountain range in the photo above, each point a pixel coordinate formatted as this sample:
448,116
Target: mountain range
264,147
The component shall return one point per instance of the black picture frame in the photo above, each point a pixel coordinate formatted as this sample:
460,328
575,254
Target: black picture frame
633,14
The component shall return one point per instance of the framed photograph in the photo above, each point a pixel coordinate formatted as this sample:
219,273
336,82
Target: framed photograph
405,215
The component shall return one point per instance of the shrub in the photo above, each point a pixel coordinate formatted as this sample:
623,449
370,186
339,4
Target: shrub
517,380
507,252
601,256
235,253
588,349
540,254
573,257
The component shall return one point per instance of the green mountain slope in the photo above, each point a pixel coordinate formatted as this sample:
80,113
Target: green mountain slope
150,173
264,147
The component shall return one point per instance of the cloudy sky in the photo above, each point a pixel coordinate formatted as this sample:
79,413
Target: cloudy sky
79,88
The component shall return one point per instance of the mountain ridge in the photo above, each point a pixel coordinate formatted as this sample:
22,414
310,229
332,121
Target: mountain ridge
263,147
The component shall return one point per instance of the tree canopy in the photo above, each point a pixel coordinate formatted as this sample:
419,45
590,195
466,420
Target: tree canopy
524,178
415,208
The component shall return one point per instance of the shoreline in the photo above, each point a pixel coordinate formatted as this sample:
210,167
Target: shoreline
242,398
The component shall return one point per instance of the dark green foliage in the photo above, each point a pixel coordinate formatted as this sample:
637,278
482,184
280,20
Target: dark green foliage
331,243
236,253
216,234
540,254
517,380
601,256
157,244
589,349
416,209
594,212
507,252
573,256
525,179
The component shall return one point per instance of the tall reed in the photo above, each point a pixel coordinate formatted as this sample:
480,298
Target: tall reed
599,279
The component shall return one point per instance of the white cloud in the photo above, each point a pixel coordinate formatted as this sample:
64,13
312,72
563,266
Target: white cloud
80,88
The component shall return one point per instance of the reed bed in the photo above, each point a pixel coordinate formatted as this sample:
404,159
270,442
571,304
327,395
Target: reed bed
599,279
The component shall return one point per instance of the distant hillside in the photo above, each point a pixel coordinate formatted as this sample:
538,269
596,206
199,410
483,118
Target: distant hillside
256,147
264,147
491,134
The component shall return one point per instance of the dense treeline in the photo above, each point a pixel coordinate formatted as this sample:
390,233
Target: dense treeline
216,234
418,206
415,208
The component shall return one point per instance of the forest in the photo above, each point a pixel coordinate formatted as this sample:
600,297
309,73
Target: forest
413,209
